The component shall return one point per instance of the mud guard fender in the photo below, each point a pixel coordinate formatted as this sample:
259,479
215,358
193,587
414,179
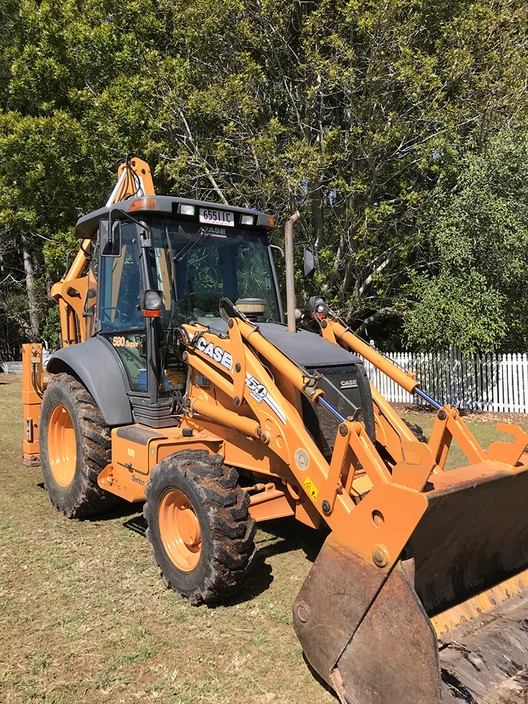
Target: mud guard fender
97,366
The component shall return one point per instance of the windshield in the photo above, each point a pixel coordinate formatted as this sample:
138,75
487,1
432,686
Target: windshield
196,266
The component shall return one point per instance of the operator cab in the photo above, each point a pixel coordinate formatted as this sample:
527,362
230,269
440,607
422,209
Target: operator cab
162,262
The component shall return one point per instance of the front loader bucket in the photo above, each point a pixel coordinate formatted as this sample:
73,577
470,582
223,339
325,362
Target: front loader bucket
449,622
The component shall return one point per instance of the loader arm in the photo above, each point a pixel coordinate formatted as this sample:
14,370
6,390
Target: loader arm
377,527
462,577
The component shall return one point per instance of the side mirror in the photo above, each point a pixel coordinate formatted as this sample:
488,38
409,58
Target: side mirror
317,307
110,238
310,262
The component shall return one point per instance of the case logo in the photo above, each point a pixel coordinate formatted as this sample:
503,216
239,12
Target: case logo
216,353
257,390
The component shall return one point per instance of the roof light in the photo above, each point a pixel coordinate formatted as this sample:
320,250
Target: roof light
143,204
247,219
186,209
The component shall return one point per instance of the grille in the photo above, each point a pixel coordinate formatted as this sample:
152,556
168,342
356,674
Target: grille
347,389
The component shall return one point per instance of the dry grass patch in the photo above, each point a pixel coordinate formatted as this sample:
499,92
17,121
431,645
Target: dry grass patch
85,618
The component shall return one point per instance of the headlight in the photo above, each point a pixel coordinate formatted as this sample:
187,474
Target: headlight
151,302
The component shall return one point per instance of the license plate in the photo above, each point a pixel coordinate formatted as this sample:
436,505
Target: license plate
216,217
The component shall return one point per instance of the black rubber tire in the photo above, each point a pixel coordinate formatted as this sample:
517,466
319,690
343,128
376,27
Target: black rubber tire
227,530
82,497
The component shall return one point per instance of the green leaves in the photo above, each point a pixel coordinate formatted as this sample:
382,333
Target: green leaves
359,114
476,290
464,311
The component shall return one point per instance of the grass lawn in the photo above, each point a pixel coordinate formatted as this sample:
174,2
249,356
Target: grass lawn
84,616
481,424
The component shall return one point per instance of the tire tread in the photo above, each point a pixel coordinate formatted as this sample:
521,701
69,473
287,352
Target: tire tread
88,499
232,529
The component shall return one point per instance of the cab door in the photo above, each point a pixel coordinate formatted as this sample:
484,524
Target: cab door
119,316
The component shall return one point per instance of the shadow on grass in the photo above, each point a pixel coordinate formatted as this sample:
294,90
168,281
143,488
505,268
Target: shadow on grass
287,535
292,535
319,679
137,524
257,582
123,509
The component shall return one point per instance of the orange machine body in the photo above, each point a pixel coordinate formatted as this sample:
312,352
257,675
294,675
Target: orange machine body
385,497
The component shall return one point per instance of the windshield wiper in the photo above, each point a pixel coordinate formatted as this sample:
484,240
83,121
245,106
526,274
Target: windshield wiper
202,232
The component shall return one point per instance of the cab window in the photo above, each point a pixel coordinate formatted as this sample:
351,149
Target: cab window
121,286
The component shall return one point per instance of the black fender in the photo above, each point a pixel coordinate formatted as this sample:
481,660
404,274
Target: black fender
98,368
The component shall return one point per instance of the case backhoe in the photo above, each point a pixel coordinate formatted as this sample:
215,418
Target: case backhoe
178,385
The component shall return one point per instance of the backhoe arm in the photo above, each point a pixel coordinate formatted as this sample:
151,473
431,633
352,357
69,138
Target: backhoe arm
76,292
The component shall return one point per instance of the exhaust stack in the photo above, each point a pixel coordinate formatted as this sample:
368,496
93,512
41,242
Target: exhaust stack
290,277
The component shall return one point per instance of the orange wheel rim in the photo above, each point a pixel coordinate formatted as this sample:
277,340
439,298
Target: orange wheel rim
62,448
180,530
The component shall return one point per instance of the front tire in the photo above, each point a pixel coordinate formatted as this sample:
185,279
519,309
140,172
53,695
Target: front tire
74,448
199,526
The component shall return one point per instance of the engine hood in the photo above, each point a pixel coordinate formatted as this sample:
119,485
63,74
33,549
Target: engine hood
305,348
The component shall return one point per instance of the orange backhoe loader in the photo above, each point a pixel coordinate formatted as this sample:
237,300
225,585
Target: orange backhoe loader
179,386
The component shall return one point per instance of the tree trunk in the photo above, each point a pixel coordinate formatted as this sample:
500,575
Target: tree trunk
32,297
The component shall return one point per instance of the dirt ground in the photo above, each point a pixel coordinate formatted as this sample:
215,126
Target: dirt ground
485,417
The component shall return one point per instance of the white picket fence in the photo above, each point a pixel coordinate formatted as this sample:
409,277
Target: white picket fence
485,383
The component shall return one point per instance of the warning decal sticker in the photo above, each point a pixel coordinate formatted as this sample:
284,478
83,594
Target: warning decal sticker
310,488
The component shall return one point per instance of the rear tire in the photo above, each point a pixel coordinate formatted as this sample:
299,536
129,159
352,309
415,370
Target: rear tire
74,449
199,526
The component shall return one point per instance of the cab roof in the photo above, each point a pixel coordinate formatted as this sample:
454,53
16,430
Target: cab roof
88,225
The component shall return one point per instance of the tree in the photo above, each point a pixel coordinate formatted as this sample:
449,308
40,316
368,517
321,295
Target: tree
350,111
474,295
55,59
342,114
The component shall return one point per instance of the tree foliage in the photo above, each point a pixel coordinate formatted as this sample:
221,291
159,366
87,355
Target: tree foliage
357,113
474,294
